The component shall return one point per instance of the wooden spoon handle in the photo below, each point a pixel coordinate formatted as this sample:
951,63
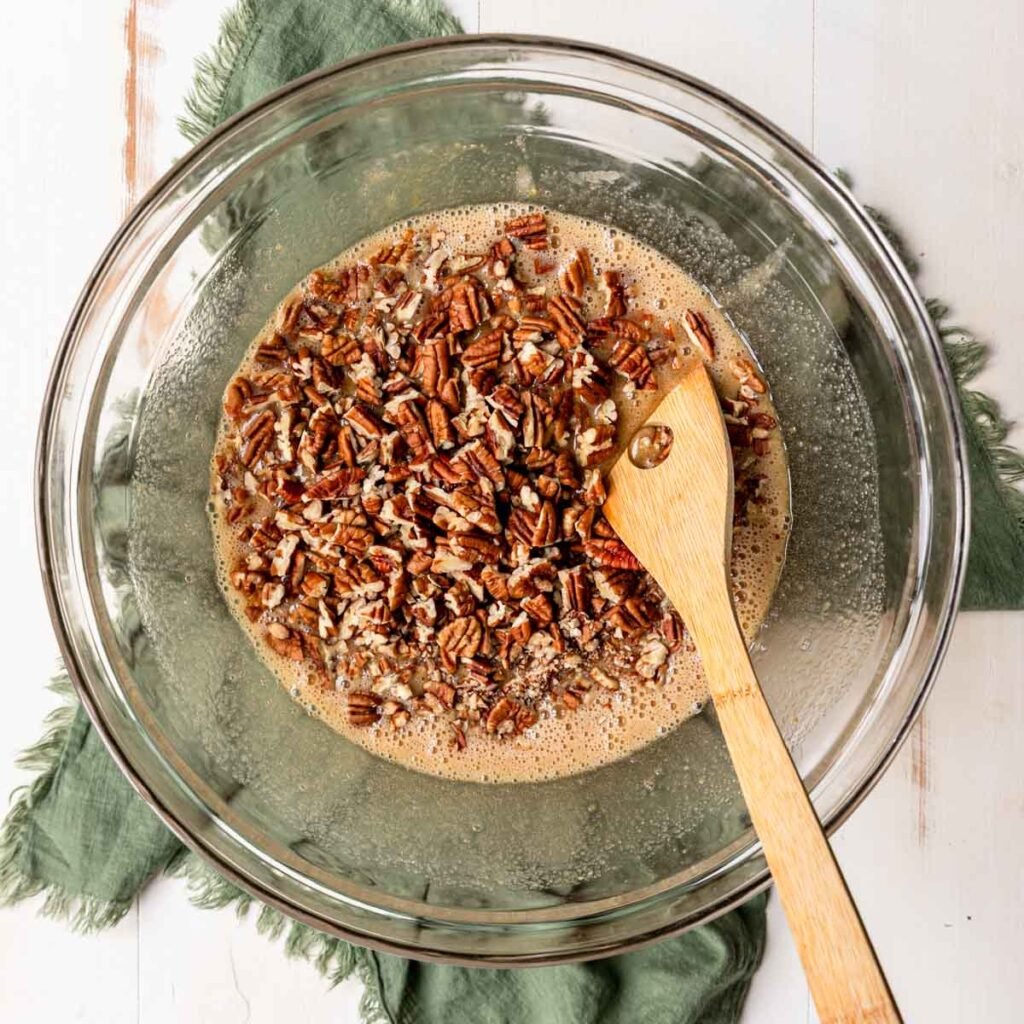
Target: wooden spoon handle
842,970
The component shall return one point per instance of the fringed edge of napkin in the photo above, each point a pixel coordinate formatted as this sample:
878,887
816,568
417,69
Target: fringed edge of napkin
967,356
204,104
335,959
83,913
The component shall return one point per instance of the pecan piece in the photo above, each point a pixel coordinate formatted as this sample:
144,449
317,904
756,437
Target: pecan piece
458,737
364,421
440,423
545,531
595,444
476,460
565,471
468,305
444,692
594,492
420,563
461,638
618,327
632,362
288,314
525,717
575,589
496,583
612,553
589,378
614,294
521,525
284,642
474,547
699,333
531,229
236,398
567,313
501,712
484,352
576,274
744,371
339,483
363,708
258,436
340,350
538,608
672,630
632,616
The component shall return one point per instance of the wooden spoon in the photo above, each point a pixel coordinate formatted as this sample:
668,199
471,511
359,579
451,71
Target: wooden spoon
676,517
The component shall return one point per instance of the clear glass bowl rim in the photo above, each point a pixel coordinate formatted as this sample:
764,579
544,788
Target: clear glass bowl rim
49,539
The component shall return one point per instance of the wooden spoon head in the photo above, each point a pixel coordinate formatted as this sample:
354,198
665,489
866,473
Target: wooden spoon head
676,517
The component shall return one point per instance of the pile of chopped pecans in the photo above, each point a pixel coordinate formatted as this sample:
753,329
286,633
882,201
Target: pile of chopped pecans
413,469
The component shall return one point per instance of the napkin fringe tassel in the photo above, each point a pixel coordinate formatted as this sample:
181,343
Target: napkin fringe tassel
204,105
333,958
83,913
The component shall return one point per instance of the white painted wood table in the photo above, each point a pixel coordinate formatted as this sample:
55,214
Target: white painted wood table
922,100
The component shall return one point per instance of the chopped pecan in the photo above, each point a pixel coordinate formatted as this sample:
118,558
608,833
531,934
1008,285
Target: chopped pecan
699,333
444,692
343,482
483,352
632,616
468,304
594,492
614,294
505,709
364,421
496,583
672,630
283,642
420,562
545,531
576,274
595,444
363,708
567,313
461,638
474,547
632,361
618,327
565,470
745,372
258,435
440,422
531,229
341,350
575,589
612,553
476,460
589,378
538,608
236,397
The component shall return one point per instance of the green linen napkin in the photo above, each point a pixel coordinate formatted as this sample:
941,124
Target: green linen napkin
80,836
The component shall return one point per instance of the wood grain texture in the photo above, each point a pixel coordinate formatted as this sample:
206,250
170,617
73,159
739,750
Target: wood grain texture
141,56
687,548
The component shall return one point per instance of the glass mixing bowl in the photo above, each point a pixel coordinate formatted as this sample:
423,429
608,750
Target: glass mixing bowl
303,819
